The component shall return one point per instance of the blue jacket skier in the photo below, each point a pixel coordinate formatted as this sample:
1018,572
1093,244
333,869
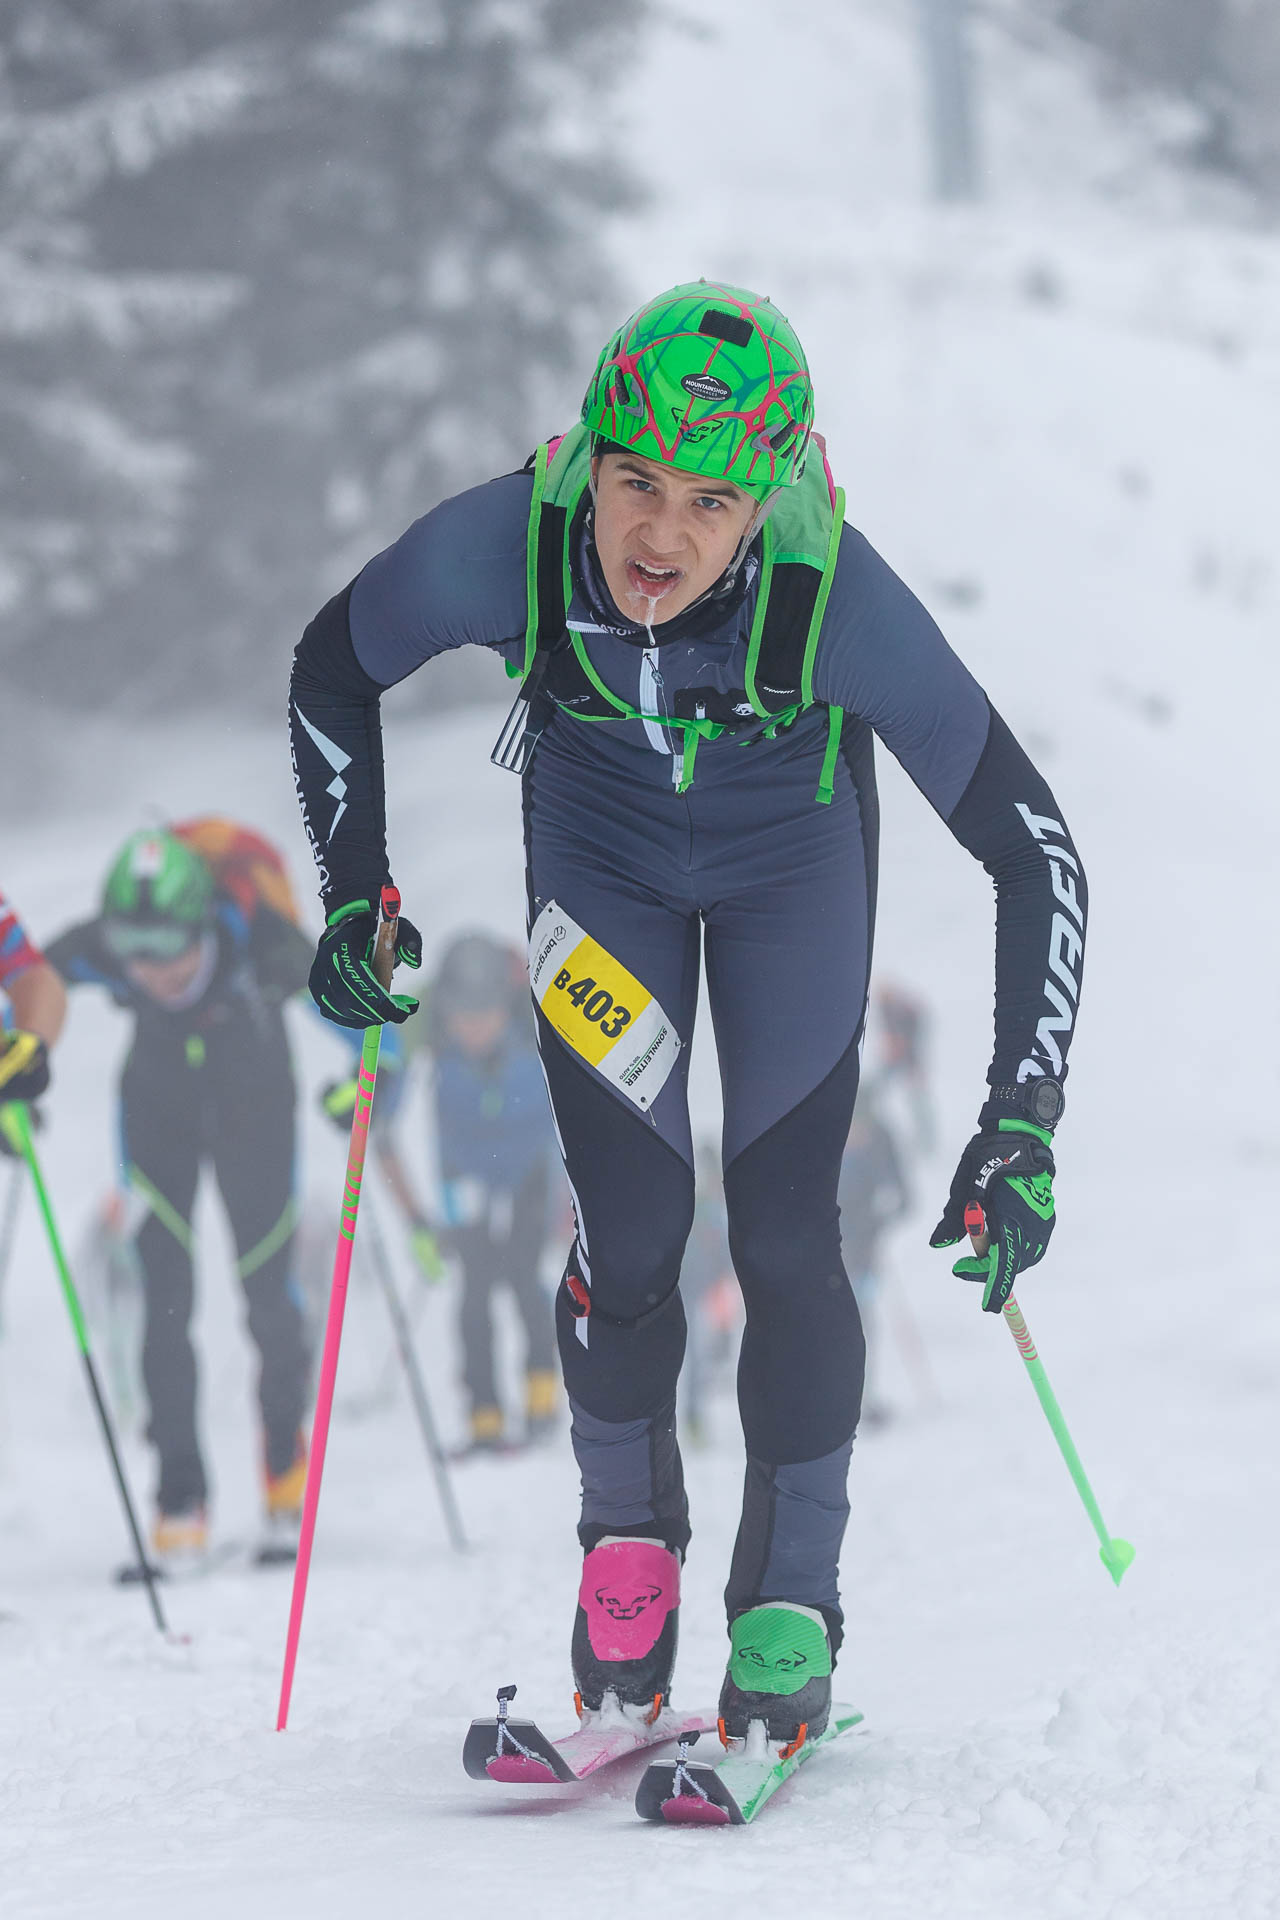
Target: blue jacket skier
706,652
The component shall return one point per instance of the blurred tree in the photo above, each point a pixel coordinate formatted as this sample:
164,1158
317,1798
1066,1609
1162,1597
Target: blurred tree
1222,54
94,476
396,205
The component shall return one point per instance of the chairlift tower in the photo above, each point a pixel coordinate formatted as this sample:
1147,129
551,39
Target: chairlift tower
949,97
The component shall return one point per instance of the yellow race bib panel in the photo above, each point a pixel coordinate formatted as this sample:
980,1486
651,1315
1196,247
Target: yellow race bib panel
599,1009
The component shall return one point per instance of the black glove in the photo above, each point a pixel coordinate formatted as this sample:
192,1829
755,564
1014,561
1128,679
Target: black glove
24,1065
343,984
1006,1176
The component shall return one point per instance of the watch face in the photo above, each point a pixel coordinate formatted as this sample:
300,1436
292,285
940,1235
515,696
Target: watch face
1046,1100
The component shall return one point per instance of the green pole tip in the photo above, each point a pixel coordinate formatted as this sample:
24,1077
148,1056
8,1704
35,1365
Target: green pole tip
1116,1557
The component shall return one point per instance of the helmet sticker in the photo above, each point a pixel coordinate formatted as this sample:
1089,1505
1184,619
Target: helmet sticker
705,386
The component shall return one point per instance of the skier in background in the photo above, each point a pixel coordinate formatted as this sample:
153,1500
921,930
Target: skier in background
706,651
197,938
496,1157
902,1021
338,1103
35,1008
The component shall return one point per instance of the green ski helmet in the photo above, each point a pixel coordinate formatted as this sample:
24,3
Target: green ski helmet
710,379
159,895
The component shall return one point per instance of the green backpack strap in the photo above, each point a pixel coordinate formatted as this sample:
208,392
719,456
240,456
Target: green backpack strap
560,469
795,585
792,603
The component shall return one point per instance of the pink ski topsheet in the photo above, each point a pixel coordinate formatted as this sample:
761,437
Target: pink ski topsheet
628,1589
591,1748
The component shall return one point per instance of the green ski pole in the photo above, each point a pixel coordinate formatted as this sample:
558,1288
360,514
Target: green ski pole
17,1126
1116,1554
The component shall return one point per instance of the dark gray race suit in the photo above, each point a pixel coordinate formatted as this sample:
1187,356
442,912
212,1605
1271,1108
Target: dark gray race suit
211,1085
778,892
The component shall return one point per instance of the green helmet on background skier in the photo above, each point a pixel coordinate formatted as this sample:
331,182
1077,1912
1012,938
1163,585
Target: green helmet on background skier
710,379
158,896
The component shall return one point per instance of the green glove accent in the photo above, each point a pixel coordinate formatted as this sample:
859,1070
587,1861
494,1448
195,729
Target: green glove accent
338,1102
340,914
426,1251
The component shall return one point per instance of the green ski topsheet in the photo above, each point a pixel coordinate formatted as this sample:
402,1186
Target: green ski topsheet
693,1793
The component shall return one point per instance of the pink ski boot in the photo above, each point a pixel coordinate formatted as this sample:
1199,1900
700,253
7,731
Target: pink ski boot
624,1634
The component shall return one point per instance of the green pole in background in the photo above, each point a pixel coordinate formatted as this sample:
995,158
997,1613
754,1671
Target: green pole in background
17,1127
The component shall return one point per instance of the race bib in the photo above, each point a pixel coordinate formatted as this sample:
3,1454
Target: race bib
599,1009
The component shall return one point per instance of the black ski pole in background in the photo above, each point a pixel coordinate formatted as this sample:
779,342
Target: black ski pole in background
13,1117
413,1374
9,1228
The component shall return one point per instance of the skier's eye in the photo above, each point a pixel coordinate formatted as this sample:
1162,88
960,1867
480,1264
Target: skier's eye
710,501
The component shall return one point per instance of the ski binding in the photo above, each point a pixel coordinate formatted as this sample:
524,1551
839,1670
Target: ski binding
518,1753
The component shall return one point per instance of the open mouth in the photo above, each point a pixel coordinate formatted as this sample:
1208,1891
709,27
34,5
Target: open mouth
649,582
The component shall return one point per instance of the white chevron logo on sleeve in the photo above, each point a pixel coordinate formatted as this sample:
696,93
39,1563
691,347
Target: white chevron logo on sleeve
339,761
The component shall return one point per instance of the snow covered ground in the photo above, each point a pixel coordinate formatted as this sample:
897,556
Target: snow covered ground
1056,416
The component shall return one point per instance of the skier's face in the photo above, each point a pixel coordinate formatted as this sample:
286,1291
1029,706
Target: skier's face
663,536
166,980
478,1032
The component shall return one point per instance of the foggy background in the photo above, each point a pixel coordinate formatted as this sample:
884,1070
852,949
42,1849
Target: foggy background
274,278
278,275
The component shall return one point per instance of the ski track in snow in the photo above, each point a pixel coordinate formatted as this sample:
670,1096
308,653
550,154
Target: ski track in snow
1080,481
1036,1742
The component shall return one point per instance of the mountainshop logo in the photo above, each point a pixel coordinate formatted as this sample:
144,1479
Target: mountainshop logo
705,386
620,1606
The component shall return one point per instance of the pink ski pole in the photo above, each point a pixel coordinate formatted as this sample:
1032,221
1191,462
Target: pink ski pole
384,959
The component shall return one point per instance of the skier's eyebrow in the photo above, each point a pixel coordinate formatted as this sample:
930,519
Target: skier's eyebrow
723,490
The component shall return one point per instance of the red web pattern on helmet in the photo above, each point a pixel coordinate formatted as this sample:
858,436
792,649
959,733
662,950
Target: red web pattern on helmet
754,435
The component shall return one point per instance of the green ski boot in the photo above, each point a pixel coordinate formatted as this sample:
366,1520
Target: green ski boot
779,1674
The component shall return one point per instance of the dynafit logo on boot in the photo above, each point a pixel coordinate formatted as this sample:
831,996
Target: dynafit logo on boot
626,1607
705,386
781,1663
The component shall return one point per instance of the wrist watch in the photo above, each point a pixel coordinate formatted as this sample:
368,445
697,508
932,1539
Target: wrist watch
1040,1100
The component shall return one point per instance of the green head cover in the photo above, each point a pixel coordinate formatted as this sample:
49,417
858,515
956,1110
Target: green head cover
158,879
710,379
777,1649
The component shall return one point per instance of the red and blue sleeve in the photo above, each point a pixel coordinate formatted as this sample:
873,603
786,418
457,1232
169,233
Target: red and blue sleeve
17,951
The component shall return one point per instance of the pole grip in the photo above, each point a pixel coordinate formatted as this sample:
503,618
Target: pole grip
975,1223
384,947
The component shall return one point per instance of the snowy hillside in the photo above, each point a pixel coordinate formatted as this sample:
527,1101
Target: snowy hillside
1056,415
